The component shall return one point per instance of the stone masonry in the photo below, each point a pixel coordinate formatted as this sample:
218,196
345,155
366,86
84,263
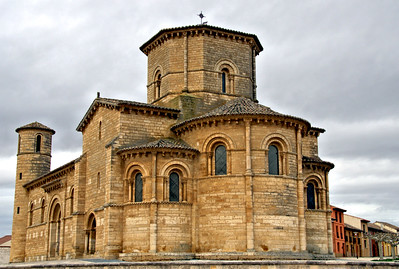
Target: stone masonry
200,171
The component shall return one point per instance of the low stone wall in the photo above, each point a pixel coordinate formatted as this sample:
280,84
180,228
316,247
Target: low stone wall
4,255
205,264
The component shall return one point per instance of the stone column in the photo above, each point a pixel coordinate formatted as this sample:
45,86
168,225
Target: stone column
249,215
301,209
185,62
153,207
154,178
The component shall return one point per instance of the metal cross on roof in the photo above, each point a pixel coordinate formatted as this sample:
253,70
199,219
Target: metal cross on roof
202,16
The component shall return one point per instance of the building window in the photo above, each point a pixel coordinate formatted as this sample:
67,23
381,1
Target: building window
30,215
138,188
42,211
98,181
220,160
20,176
157,85
17,210
311,196
38,143
71,205
99,130
174,187
225,80
91,235
273,160
55,230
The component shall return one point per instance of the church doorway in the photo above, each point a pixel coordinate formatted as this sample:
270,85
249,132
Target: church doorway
55,231
91,235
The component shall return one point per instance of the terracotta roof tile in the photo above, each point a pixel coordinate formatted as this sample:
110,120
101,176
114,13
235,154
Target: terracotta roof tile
166,143
389,225
316,159
374,227
5,239
350,227
240,106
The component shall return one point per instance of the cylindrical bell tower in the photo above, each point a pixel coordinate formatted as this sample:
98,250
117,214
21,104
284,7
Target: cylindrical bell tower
33,160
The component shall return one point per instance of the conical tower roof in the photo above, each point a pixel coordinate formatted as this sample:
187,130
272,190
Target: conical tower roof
35,125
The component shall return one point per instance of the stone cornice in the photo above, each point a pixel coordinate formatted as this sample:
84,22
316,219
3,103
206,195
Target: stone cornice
196,30
53,185
315,163
287,122
177,153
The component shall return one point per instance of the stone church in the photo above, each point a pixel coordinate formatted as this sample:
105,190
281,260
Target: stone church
202,170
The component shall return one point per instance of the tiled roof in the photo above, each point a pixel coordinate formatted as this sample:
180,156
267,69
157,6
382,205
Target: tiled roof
5,239
374,226
389,225
35,125
118,103
241,106
199,27
315,159
338,208
347,226
166,143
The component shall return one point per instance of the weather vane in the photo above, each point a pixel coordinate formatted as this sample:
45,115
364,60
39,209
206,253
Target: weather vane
202,16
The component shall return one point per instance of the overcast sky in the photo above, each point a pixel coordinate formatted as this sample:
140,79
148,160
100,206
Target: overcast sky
334,63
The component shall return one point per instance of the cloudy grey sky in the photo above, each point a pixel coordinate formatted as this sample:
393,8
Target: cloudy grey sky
334,63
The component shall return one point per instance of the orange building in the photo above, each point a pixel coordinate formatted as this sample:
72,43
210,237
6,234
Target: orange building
338,226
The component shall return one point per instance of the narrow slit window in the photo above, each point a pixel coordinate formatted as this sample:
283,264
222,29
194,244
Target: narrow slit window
99,130
42,211
225,80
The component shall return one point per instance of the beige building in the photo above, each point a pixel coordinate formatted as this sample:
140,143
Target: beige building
202,170
357,243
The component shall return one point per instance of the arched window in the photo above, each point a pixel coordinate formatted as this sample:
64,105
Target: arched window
158,78
273,160
38,142
174,187
42,211
138,188
225,80
220,160
91,235
311,196
30,215
55,230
